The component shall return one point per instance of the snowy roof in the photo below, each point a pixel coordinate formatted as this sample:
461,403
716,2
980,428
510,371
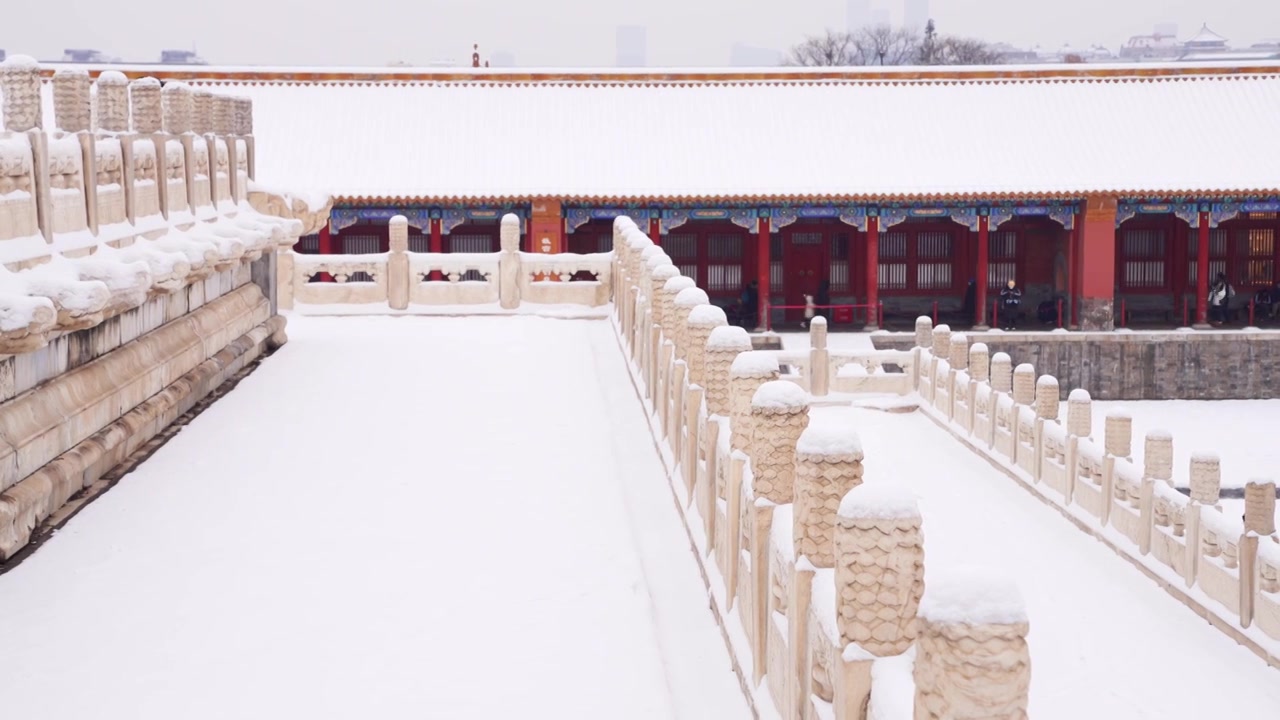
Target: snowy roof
1206,37
389,134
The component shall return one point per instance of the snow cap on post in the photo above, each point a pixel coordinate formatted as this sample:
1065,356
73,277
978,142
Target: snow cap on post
658,259
754,364
707,316
818,333
664,273
879,501
780,396
637,240
679,284
691,297
942,342
1080,413
972,596
829,441
730,338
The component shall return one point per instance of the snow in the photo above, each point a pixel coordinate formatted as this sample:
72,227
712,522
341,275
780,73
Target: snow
658,260
829,438
679,284
691,297
754,363
450,544
1000,357
836,340
1048,382
972,595
779,395
17,311
978,347
1096,621
879,500
113,77
665,272
25,62
1079,395
705,315
1206,456
729,337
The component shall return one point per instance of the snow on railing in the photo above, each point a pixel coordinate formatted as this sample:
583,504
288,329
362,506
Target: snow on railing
1183,538
776,503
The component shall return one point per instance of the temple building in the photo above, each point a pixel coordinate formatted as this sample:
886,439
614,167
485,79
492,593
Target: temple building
1120,190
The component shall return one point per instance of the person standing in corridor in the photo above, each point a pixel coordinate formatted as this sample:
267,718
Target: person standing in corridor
1010,301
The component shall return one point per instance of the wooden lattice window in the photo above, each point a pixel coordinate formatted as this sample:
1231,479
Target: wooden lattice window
1255,257
1217,254
892,250
933,261
1145,259
1002,258
682,248
839,274
725,253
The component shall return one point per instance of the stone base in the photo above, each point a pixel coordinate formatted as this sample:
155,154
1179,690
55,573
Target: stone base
1097,314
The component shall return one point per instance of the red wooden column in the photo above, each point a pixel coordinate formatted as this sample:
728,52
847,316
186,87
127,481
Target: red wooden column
1202,271
873,272
980,276
326,248
655,230
437,245
1073,272
763,263
1098,264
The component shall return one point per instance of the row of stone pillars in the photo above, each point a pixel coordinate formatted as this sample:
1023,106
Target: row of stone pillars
701,374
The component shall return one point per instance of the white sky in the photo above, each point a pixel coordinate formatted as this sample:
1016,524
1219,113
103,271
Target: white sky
565,32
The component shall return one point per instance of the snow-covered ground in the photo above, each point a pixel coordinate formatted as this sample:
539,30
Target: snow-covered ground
1106,642
392,518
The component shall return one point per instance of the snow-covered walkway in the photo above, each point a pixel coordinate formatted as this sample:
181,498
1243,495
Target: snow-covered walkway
393,518
1106,642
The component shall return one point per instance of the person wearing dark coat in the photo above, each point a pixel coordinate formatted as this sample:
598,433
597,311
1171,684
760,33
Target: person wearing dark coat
750,305
968,310
1010,300
823,298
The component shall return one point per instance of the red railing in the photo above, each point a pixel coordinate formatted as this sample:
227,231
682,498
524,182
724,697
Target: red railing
867,308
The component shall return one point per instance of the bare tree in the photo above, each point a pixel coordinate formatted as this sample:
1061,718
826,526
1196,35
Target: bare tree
830,50
885,45
965,51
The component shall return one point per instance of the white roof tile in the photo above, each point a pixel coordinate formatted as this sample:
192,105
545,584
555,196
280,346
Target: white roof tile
861,138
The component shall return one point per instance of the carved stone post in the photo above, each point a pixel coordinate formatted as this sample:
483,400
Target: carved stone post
1206,478
72,106
20,82
703,319
924,332
972,659
684,303
398,264
828,466
979,362
749,371
1047,401
1119,433
670,291
1259,524
959,351
1001,373
819,358
942,342
202,113
1024,384
113,102
176,101
723,346
659,278
144,93
779,414
509,265
1157,456
1080,413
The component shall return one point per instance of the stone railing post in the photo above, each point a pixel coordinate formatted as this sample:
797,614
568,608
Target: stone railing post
1157,456
942,342
1047,397
1118,433
176,101
202,114
1024,384
509,264
828,465
979,362
72,103
398,284
144,95
723,346
1001,373
1080,413
20,82
1259,524
113,102
658,279
670,291
1206,478
924,332
683,304
972,659
749,371
819,358
703,320
779,414
959,351
879,563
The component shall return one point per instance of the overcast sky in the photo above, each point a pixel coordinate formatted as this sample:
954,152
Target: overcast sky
565,32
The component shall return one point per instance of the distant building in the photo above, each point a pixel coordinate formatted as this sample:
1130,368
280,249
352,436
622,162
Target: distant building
1159,45
632,44
84,57
181,57
857,14
915,14
1010,55
741,55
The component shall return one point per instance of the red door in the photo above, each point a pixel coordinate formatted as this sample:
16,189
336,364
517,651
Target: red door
805,266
